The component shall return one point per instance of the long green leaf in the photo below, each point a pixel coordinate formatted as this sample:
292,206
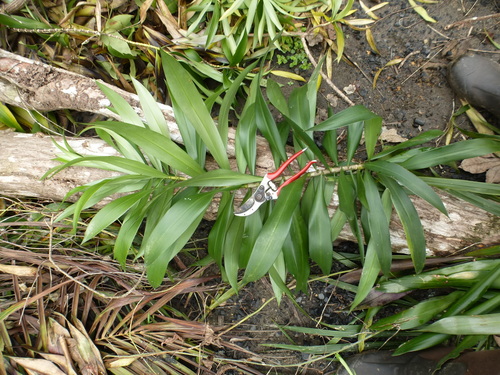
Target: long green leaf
295,251
246,138
156,145
267,126
320,241
379,224
467,325
373,128
408,180
177,220
231,249
229,97
348,116
464,275
253,227
220,178
217,235
347,204
417,315
411,222
456,151
463,185
306,141
118,164
299,109
274,232
477,200
128,230
354,134
371,270
127,113
182,88
415,141
276,97
112,212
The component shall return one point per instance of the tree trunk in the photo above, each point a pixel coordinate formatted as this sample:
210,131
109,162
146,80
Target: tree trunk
25,158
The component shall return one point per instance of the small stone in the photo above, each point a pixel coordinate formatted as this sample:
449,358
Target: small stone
321,296
418,122
351,89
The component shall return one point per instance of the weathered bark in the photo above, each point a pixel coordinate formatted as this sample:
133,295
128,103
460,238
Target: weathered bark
34,85
25,158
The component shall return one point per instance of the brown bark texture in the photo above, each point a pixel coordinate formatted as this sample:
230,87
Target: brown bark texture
25,158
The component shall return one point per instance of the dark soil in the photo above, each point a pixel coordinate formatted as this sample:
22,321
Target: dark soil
411,97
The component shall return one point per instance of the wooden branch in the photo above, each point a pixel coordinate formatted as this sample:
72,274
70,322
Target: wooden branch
25,158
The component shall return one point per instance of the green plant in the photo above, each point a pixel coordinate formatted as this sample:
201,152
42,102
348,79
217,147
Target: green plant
465,314
170,188
293,54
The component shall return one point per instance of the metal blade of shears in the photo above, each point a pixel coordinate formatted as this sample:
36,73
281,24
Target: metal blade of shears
247,208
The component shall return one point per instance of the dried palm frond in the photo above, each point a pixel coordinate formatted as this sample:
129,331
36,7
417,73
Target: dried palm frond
66,310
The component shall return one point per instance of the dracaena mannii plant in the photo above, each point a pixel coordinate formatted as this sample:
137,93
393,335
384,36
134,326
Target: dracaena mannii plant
169,189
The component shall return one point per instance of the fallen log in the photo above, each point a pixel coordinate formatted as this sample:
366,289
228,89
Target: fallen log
25,158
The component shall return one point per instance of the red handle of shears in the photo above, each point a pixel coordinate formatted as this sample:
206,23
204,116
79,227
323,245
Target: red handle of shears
281,169
296,176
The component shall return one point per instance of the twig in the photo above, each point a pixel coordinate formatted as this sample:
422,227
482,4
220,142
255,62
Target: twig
421,66
473,19
325,77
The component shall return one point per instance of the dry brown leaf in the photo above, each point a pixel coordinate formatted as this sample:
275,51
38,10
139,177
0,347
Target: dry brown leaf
391,135
61,361
487,163
18,270
41,366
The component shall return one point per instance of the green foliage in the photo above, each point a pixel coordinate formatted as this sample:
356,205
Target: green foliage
293,54
170,189
466,317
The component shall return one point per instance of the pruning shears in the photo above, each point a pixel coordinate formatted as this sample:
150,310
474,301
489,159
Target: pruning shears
267,190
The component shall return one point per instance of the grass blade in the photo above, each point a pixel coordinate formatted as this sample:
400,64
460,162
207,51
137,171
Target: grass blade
229,97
